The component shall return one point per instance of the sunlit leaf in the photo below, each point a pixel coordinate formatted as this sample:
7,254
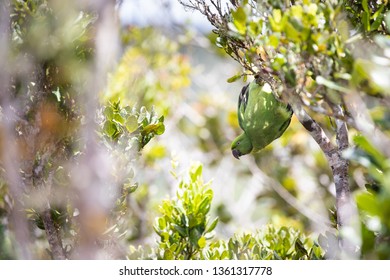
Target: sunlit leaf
239,20
234,78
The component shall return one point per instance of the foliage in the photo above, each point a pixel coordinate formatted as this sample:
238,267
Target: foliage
185,232
54,43
373,202
268,243
46,46
185,224
323,52
367,15
370,71
315,54
305,44
127,123
151,72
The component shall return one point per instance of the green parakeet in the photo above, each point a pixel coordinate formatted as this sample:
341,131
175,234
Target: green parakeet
262,118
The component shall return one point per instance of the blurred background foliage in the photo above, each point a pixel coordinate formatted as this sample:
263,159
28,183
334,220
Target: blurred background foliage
166,105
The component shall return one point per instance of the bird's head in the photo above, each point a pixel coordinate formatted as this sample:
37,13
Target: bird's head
241,146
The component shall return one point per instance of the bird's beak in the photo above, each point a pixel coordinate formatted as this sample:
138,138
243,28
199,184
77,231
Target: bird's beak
236,154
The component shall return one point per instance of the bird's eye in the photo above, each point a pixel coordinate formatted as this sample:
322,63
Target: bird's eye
238,143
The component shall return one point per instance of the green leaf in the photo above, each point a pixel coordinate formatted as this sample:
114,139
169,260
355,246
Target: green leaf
296,12
109,128
387,19
276,20
196,171
161,223
365,6
368,202
366,21
273,41
377,23
160,128
365,145
118,118
108,112
195,235
239,20
202,242
278,62
212,226
182,231
168,255
234,78
204,206
330,84
131,124
300,248
292,34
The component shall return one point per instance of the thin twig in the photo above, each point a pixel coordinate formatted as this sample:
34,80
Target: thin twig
289,198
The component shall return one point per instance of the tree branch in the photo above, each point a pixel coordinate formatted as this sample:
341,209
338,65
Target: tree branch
8,150
346,210
92,176
53,236
347,215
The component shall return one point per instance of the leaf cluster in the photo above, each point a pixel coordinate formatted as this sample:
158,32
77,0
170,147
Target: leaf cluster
306,46
184,224
137,127
185,232
269,243
373,203
368,16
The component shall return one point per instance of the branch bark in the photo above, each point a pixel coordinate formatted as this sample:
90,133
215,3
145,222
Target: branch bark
340,170
347,217
53,236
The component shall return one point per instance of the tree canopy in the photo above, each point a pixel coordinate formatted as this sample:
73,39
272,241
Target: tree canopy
109,133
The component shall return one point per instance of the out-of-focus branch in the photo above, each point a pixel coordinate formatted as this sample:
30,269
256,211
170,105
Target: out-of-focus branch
9,151
53,236
91,179
346,210
347,214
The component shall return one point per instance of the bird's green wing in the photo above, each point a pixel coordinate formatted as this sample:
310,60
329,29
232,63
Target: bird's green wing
242,103
285,111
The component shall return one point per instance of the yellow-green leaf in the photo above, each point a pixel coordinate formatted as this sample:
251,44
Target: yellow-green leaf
131,124
202,242
239,20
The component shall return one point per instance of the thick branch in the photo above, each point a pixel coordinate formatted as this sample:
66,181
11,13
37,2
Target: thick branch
8,148
53,236
340,169
347,215
346,210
